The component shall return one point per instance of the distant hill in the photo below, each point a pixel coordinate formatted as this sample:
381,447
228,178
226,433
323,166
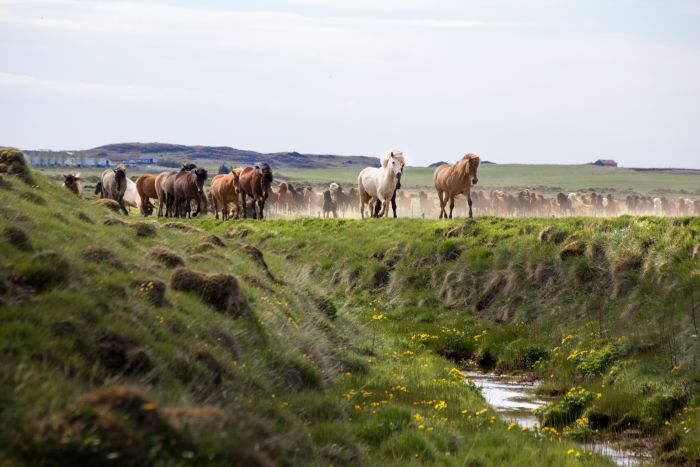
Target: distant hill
224,154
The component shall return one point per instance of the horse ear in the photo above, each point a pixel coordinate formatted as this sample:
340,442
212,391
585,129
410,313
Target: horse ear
77,176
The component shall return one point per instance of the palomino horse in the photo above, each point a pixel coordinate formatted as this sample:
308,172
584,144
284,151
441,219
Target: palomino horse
454,179
255,182
379,184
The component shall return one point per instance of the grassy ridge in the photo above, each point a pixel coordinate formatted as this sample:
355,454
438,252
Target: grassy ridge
543,177
343,345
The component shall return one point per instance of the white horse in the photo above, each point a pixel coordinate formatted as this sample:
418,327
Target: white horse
378,184
131,195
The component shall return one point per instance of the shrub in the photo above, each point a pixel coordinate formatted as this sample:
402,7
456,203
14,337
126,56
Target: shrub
596,362
521,355
455,346
567,409
660,407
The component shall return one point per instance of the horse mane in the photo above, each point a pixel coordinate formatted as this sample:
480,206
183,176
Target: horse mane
397,154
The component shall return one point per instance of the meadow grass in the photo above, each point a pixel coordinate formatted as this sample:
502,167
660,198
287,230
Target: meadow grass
546,178
353,356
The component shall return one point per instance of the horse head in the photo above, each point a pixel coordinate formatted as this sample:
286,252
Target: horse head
333,191
395,166
188,167
200,178
263,168
473,161
98,188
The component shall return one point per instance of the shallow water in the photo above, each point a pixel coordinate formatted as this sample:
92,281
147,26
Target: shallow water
514,400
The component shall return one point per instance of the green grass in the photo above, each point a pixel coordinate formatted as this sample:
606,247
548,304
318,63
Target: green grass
546,178
91,366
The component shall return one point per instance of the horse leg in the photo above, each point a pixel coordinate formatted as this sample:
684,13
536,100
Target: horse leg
442,204
469,200
385,207
122,206
261,205
377,208
393,203
452,205
243,203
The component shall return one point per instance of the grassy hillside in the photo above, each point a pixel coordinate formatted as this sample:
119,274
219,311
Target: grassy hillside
340,341
541,177
207,155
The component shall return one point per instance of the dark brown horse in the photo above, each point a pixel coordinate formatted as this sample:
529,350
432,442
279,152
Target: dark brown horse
189,186
165,189
72,182
255,182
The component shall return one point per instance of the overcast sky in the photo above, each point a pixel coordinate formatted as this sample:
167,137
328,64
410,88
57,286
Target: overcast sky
528,81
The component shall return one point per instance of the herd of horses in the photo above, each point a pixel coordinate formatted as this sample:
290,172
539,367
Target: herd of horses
248,192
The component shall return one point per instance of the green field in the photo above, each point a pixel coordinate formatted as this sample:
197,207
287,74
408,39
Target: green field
546,178
315,342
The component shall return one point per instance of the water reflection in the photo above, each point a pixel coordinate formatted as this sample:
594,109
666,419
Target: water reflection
514,400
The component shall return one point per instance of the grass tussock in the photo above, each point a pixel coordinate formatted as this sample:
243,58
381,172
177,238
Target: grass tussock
221,291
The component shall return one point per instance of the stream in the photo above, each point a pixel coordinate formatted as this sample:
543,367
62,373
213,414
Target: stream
514,400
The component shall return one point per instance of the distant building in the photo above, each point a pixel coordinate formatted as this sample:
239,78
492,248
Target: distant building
141,161
605,163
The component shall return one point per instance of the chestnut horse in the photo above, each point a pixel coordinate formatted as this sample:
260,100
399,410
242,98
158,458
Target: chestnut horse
454,179
146,188
255,182
225,190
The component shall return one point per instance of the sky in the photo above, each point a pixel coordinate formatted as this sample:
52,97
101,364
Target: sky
515,81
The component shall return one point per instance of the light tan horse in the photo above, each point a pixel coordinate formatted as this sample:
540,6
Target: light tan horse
454,179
